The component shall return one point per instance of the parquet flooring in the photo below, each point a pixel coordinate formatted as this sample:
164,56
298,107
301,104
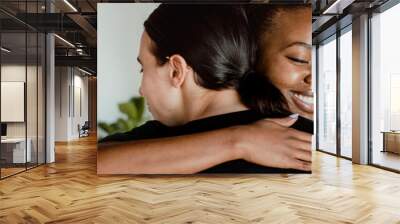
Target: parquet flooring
69,191
10,171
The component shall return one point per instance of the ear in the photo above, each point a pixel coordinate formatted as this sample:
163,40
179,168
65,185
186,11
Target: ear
179,70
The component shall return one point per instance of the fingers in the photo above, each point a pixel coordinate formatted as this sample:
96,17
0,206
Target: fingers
302,155
300,149
301,135
287,121
301,165
300,144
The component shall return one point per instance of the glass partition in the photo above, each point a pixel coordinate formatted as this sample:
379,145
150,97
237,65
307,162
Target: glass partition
327,96
41,107
385,89
31,101
346,93
22,77
14,152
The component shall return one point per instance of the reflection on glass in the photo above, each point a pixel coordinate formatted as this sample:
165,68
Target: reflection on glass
31,101
346,94
23,90
14,151
327,97
41,98
385,86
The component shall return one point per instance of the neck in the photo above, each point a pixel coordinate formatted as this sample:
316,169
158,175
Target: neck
209,103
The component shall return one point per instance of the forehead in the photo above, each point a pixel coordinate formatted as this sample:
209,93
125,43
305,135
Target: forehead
144,42
291,24
145,55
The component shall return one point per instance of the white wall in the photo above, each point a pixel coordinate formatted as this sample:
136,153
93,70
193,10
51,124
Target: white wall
119,27
67,116
79,117
15,72
61,103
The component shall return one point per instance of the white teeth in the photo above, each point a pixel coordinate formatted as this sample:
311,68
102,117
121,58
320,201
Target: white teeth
305,99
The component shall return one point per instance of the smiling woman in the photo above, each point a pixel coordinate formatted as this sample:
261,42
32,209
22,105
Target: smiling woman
285,52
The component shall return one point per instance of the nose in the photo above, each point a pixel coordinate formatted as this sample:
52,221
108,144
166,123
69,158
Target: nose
140,91
308,79
306,75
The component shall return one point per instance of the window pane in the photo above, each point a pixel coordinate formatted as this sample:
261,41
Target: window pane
41,98
385,86
327,97
345,94
31,100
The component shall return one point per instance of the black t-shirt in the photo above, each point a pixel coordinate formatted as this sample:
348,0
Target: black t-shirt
155,129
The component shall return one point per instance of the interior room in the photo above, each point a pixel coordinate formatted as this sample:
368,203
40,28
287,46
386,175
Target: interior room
22,102
385,76
334,57
48,102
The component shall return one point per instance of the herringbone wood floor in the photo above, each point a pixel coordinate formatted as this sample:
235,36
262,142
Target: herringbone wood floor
69,191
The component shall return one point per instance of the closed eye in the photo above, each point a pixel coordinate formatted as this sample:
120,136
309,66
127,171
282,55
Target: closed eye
297,60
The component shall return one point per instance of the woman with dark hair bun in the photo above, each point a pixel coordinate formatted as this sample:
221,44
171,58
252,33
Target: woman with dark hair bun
220,51
198,75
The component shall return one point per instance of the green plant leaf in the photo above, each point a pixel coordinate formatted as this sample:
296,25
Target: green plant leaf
139,103
134,111
105,127
129,109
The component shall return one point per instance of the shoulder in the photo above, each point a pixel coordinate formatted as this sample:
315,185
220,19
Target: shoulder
150,129
220,121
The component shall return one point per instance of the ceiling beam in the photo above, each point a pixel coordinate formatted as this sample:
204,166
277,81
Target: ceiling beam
86,27
84,61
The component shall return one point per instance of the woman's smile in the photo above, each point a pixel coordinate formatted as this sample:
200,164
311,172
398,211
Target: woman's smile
303,100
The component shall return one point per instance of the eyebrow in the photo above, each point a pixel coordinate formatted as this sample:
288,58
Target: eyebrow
302,44
138,59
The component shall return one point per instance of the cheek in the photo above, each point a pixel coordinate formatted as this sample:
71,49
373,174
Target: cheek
283,75
148,85
154,89
144,86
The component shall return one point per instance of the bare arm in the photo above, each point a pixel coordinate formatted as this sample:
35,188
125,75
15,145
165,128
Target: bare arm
173,155
264,142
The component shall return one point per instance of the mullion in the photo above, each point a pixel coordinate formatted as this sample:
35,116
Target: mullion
26,86
0,93
338,95
37,90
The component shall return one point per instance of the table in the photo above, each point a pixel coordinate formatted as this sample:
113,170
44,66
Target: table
15,148
391,141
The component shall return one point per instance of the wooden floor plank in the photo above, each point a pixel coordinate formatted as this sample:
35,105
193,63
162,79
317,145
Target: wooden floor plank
69,191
